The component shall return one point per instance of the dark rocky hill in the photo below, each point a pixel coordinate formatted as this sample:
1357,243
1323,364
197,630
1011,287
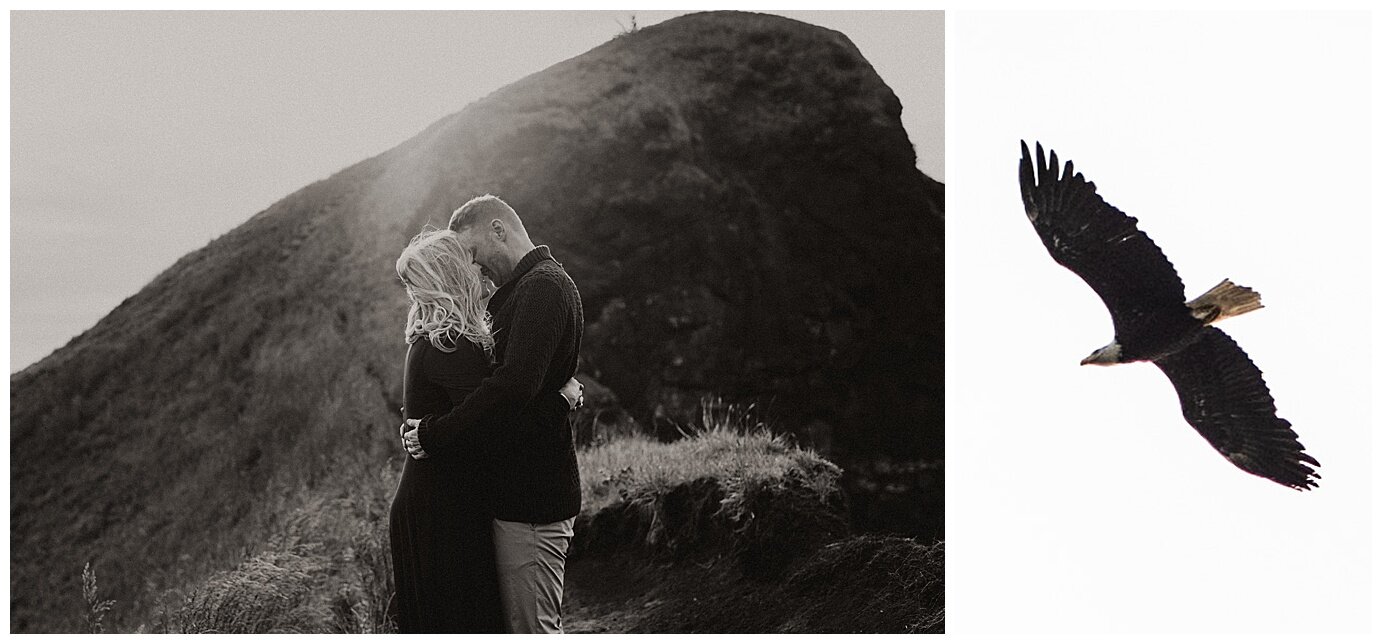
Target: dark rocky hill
733,193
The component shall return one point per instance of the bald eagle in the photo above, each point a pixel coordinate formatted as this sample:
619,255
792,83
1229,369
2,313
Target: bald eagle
1221,391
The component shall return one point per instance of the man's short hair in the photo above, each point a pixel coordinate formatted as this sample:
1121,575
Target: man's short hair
482,210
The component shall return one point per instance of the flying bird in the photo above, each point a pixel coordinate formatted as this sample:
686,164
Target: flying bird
1221,391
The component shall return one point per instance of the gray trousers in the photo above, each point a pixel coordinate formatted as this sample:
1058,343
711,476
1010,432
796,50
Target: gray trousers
532,565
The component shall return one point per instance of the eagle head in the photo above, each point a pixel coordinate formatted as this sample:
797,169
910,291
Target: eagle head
1109,354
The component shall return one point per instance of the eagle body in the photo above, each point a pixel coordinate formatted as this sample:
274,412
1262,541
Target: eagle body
1154,335
1221,391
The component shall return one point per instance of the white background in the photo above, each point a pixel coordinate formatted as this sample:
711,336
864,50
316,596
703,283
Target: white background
1079,500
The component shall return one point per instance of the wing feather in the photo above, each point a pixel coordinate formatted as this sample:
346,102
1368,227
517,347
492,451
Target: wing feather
1097,241
1224,398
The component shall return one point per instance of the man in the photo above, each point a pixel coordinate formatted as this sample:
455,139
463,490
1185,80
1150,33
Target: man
537,322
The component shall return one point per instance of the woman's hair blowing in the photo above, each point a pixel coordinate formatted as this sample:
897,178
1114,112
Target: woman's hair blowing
445,292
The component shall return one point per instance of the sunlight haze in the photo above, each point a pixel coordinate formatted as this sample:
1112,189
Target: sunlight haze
164,130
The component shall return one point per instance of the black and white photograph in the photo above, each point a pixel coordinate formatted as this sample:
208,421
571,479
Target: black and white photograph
533,322
1158,338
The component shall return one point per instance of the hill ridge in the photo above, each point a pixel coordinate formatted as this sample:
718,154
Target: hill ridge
715,234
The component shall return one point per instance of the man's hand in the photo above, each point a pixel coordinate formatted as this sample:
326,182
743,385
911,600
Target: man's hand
574,393
408,432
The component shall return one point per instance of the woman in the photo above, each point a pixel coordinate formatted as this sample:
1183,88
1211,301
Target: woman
439,528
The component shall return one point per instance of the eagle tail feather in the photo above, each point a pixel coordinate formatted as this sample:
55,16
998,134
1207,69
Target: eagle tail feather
1225,300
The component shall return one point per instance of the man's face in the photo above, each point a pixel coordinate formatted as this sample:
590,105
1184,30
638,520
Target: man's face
484,249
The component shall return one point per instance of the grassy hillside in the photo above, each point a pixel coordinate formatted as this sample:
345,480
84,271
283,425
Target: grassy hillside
736,531
860,584
701,180
729,530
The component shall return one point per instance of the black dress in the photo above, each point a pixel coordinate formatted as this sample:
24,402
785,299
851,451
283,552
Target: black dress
439,523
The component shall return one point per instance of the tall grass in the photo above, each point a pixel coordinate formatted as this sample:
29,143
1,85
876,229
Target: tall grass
730,446
729,489
96,608
325,570
326,567
872,583
753,529
270,593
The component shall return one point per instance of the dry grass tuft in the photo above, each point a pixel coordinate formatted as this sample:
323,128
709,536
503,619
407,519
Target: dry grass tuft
326,569
96,608
730,487
270,593
730,446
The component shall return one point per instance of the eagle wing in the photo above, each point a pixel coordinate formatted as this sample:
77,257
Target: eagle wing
1224,398
1097,242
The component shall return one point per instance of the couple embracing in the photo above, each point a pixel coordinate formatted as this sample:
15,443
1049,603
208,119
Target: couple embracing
483,514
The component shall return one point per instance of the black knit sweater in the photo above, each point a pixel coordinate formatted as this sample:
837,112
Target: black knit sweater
538,321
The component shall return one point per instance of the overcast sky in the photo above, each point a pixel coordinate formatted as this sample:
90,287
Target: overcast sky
138,137
1080,500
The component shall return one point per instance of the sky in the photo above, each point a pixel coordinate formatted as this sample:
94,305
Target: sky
138,137
1079,499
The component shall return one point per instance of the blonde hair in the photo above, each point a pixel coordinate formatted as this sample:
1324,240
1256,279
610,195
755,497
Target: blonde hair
444,289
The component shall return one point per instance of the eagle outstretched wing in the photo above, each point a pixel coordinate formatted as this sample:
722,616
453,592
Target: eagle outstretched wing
1097,241
1224,397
